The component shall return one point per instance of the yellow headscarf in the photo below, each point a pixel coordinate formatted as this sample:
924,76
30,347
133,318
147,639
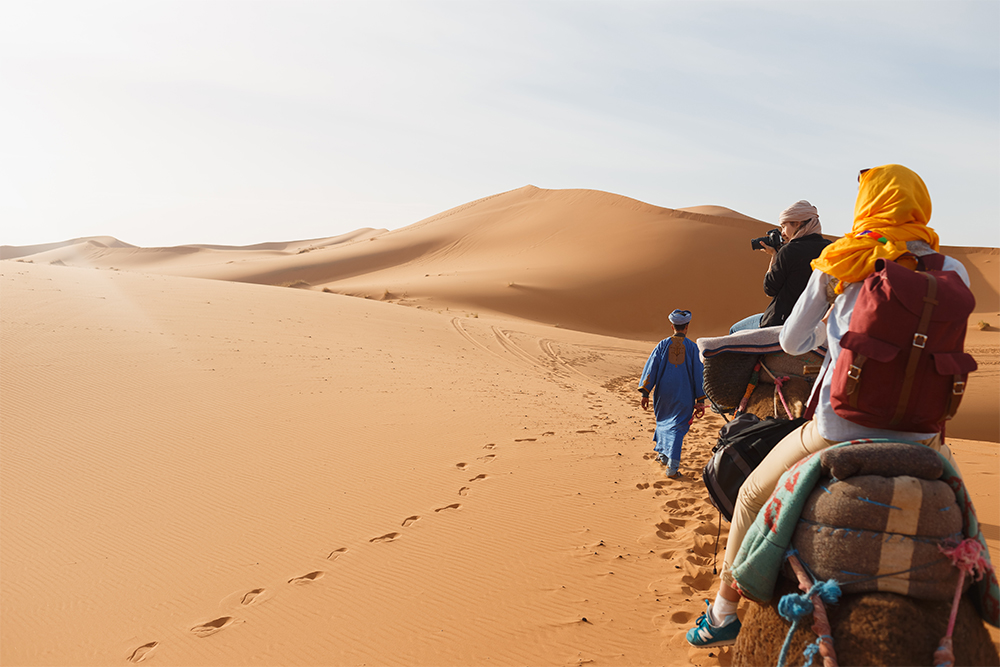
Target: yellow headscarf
893,207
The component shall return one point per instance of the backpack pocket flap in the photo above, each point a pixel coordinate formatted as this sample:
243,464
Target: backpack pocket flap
873,348
954,363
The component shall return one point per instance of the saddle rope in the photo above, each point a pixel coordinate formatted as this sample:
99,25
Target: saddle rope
778,381
794,607
754,379
966,557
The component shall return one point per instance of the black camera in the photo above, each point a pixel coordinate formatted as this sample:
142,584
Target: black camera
772,238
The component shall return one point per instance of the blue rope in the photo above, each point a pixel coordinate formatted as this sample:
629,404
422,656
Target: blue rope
875,502
796,606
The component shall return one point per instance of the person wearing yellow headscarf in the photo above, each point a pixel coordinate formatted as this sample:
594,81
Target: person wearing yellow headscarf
893,207
890,220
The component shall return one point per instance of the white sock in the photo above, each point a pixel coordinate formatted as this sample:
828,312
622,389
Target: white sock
721,609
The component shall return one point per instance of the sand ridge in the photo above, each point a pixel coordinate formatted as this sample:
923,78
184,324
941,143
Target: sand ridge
576,259
225,472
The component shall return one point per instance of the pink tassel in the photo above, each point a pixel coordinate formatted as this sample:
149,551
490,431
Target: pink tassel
967,557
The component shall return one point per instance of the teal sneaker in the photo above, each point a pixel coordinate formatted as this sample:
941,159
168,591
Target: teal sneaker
706,635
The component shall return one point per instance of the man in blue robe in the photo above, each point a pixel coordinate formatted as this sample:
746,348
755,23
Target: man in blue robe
673,373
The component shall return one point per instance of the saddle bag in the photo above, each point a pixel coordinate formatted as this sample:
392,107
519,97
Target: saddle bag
902,366
743,443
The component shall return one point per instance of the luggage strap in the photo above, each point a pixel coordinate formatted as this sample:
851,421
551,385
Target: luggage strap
754,379
919,341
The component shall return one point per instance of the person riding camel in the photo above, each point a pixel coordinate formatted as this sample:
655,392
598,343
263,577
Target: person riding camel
890,222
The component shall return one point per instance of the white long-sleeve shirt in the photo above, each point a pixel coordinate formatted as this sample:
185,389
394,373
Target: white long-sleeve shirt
804,330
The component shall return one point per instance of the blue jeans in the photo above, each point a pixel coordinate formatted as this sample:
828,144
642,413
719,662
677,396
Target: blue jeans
752,322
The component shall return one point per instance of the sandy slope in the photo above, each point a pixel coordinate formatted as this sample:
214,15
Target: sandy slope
226,472
202,472
579,259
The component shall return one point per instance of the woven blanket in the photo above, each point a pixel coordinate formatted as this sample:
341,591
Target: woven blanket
768,540
748,341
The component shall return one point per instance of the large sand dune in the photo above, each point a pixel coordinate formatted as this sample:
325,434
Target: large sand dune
227,472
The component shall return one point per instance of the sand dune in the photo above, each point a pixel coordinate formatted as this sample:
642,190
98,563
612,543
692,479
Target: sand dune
577,259
13,252
225,472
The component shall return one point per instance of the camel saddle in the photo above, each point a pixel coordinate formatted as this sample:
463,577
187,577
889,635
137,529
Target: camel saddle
871,515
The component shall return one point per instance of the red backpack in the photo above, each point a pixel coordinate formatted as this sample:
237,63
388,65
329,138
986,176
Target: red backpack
902,366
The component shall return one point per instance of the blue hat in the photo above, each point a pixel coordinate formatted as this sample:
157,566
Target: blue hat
680,317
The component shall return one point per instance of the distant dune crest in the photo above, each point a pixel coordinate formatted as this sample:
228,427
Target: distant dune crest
583,259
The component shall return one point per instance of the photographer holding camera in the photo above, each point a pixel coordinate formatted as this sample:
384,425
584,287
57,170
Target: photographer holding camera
792,247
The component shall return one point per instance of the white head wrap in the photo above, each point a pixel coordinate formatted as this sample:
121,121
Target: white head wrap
802,211
680,317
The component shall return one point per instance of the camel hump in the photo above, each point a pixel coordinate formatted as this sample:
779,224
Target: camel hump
887,459
876,522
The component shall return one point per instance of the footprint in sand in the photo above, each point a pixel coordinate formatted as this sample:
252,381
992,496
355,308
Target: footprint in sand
490,445
210,628
681,617
478,477
549,433
461,466
701,582
337,553
464,491
677,503
525,439
250,597
140,653
587,431
706,529
408,521
664,529
642,485
453,506
307,578
487,458
388,537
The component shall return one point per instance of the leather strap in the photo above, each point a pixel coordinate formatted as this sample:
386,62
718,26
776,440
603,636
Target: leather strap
919,341
854,379
957,392
814,399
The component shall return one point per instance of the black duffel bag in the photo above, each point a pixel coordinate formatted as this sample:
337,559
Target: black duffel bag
743,444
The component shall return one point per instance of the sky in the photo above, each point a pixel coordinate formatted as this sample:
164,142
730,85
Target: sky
240,122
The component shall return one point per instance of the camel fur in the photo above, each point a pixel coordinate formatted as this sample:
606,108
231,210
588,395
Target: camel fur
868,629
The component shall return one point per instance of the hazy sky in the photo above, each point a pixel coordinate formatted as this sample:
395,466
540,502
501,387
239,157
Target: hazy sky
164,123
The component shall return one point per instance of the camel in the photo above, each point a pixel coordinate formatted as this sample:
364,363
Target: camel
779,383
868,629
845,533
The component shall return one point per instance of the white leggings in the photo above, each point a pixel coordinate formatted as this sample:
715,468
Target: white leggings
760,484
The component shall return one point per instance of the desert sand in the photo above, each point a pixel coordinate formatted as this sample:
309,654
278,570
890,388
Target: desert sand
416,447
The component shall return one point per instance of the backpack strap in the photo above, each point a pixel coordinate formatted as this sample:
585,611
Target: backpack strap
931,262
814,397
957,392
919,341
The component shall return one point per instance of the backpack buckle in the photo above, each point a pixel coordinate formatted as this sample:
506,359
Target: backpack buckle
958,388
919,340
854,372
